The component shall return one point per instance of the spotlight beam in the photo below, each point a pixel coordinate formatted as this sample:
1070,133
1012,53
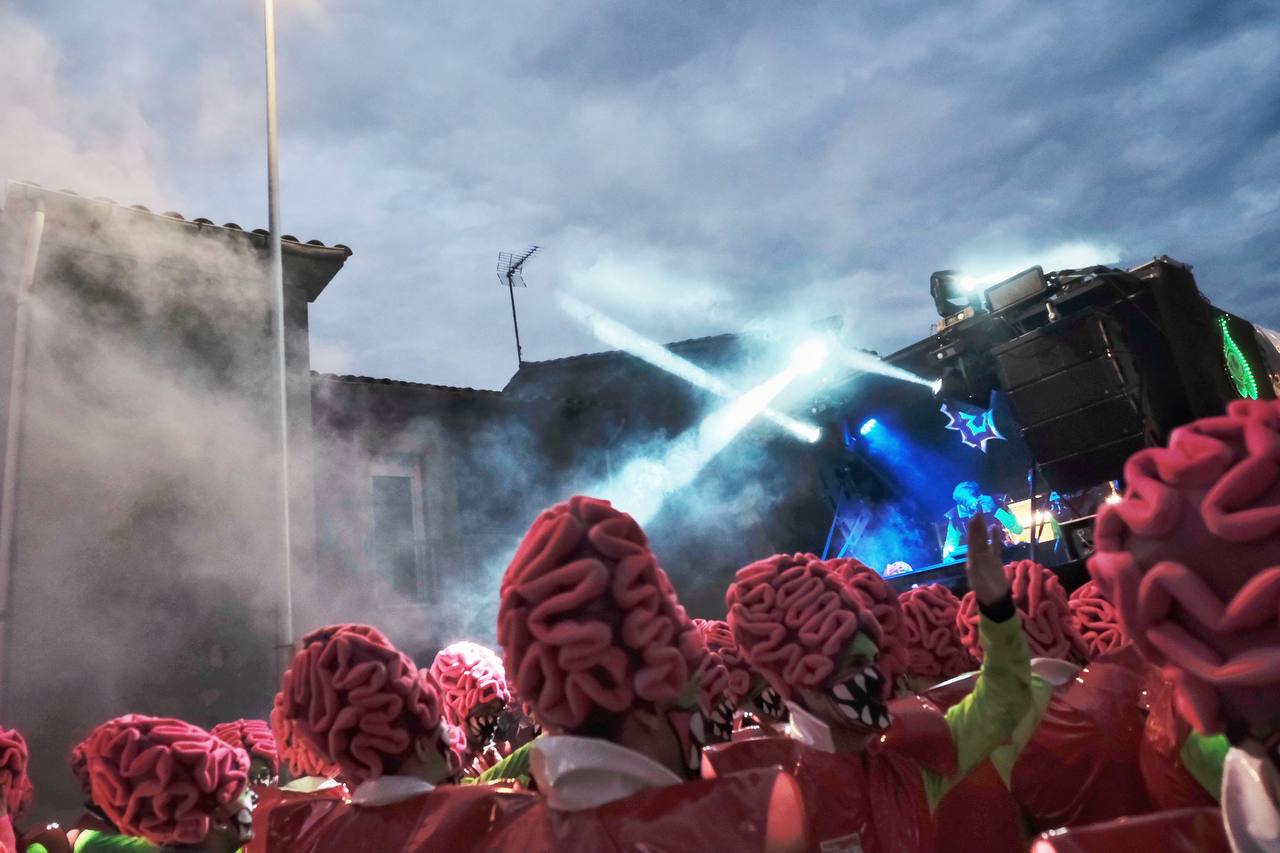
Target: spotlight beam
615,334
868,363
643,484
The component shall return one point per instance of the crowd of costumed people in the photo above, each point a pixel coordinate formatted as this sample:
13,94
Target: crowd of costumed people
826,713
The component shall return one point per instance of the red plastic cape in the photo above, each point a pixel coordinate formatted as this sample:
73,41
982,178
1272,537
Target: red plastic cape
1182,831
758,811
1081,764
451,817
271,798
873,801
1169,784
8,844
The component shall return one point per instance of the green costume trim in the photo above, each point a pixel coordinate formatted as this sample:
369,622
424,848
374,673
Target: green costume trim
1203,756
514,766
991,715
93,841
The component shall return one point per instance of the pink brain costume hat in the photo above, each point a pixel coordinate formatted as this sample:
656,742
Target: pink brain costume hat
359,701
298,755
883,603
254,737
15,784
1097,622
163,779
793,616
720,642
1191,560
934,648
1046,616
469,676
589,622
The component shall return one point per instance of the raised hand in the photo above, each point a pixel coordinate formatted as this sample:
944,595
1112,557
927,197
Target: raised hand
983,566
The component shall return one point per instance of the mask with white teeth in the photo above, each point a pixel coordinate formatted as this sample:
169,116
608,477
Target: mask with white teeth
860,691
721,722
481,727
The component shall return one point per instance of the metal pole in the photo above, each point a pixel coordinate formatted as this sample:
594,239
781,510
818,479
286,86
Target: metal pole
1031,487
13,435
511,289
276,265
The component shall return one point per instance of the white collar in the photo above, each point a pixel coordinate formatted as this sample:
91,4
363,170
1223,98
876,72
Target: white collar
386,790
1053,671
575,773
1251,816
310,784
809,729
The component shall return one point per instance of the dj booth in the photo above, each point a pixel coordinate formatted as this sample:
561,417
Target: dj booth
1046,384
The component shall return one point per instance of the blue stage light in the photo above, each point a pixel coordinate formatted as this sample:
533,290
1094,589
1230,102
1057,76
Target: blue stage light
867,426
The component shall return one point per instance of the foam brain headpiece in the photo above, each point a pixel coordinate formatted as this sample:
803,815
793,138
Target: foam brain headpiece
1046,617
720,642
589,622
254,737
1096,620
300,757
1191,559
358,700
934,648
469,676
163,779
15,784
883,603
793,618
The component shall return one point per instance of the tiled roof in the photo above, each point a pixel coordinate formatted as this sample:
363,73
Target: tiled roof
677,345
200,220
374,380
450,389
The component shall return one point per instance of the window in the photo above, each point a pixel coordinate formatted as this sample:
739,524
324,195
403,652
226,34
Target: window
399,540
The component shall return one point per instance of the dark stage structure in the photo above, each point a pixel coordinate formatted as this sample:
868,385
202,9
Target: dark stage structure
1047,383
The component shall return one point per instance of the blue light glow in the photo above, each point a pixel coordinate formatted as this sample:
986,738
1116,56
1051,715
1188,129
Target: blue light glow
867,426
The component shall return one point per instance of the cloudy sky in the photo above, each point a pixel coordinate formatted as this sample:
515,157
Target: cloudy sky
691,166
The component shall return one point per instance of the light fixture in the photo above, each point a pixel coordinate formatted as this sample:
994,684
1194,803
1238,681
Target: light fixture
867,426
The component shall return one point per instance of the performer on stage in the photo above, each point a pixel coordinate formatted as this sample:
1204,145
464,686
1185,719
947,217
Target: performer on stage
970,500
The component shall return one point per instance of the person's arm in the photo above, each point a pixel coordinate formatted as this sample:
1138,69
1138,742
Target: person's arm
1203,756
514,766
1001,696
1009,520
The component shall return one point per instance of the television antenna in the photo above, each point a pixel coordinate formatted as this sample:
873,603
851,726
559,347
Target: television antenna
511,272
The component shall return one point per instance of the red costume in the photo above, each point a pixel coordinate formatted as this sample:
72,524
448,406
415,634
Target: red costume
597,644
1191,559
813,635
168,781
1185,831
354,697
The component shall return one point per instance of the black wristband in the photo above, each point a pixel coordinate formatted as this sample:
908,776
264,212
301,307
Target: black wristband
1002,611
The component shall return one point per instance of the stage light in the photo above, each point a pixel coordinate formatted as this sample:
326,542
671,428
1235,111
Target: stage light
1113,496
809,356
615,334
936,385
871,363
867,426
644,483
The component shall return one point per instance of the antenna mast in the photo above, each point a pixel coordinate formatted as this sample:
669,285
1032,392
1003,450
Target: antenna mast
510,271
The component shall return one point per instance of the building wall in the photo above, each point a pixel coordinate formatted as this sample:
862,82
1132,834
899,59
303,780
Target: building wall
145,568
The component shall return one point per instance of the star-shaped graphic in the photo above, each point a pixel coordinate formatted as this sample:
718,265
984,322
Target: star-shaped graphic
975,429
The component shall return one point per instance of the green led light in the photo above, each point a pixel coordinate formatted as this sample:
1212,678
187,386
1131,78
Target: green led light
1237,365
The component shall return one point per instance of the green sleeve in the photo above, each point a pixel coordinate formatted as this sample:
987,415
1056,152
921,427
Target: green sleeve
37,848
93,841
1009,520
990,714
514,766
1203,757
